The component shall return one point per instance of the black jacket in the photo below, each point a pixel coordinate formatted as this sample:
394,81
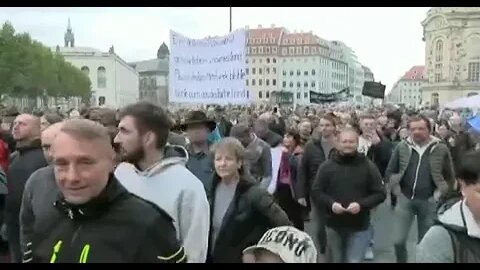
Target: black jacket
224,127
251,213
345,180
25,161
313,157
106,229
381,153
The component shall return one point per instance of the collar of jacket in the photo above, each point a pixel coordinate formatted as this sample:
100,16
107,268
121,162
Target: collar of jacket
35,144
350,159
96,206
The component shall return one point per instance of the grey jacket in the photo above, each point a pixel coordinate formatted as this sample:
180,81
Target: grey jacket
38,197
441,167
259,157
436,246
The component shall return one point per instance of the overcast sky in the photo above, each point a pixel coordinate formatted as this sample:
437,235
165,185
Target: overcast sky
388,40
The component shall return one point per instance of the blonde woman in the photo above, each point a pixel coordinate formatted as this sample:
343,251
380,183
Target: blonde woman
241,211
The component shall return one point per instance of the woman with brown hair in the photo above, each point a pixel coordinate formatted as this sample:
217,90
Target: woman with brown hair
241,212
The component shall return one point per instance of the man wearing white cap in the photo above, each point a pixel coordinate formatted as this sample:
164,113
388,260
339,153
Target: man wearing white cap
285,244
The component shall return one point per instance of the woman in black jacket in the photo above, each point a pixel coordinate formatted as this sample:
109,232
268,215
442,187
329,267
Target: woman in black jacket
241,212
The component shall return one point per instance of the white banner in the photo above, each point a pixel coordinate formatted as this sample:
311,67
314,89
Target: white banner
209,70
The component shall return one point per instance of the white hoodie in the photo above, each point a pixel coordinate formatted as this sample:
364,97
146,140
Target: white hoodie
171,186
436,246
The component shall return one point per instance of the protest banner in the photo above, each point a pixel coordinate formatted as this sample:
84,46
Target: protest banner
209,70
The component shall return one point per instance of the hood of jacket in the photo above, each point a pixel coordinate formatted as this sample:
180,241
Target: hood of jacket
350,159
412,144
452,218
173,155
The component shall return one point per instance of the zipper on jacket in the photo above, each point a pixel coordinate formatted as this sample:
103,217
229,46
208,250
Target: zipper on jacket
418,167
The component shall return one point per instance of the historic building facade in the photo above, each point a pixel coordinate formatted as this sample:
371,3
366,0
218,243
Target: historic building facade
452,54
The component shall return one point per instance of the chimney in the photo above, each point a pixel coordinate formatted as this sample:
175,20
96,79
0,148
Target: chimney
272,25
259,26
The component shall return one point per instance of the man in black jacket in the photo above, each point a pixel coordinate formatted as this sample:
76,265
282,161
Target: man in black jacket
93,218
349,185
27,159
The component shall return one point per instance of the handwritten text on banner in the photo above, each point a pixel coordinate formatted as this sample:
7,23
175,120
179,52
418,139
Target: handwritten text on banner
209,70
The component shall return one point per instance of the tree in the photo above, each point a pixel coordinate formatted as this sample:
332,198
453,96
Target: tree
28,68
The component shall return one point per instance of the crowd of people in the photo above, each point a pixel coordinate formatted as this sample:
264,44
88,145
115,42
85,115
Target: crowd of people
237,184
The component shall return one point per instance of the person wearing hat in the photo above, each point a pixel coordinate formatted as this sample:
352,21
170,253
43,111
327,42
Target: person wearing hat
200,162
285,244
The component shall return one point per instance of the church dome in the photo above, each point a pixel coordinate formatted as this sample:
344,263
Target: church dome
163,51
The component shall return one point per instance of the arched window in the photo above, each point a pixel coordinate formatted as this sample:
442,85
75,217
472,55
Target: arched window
86,70
313,72
101,77
439,51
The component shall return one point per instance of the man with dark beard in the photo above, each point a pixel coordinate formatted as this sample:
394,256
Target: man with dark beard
158,174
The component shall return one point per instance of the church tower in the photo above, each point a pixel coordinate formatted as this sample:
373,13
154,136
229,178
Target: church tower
163,51
69,36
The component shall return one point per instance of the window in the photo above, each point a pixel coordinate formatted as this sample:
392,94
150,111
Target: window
284,73
298,84
291,50
305,73
274,70
305,84
434,99
305,95
291,72
313,72
314,50
474,72
86,70
260,60
274,60
254,70
267,82
439,51
101,77
438,77
267,70
253,82
298,95
260,82
254,50
267,94
284,51
260,71
153,82
260,94
246,82
253,61
284,84
298,72
260,50
299,50
246,71
268,60
306,50
313,83
274,82
101,101
246,60
274,50
267,49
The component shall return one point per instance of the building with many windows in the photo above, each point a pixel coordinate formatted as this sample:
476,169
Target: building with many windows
114,82
153,77
291,64
408,89
262,61
452,54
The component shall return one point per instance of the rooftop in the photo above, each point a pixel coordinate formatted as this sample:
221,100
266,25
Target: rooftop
151,65
416,73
